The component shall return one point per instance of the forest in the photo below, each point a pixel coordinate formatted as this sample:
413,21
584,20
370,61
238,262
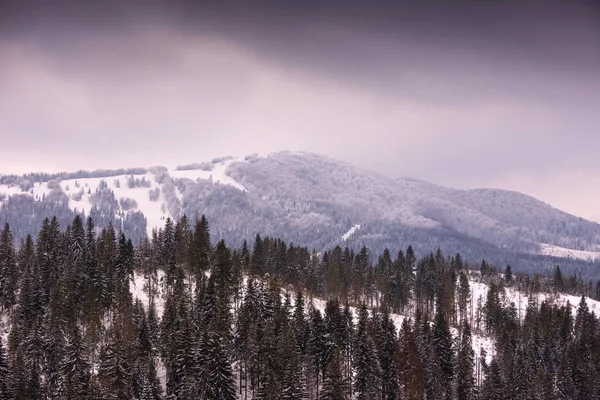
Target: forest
274,320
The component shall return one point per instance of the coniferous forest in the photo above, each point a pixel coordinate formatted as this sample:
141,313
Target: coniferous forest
89,315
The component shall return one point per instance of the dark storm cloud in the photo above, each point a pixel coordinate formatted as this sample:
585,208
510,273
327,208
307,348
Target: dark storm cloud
458,92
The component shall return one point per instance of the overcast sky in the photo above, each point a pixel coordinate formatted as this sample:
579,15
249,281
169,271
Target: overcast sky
465,94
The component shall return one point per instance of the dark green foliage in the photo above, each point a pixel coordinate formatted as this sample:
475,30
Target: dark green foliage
6,379
442,358
367,381
232,326
335,386
215,374
465,381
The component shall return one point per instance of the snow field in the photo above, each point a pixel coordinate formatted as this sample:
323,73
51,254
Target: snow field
557,251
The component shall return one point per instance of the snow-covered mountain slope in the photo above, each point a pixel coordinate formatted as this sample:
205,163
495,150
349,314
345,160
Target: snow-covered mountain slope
315,201
557,251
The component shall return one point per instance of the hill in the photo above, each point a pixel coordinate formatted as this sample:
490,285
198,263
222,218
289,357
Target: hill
314,200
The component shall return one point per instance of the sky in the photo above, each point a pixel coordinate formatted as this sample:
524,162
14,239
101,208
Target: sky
464,94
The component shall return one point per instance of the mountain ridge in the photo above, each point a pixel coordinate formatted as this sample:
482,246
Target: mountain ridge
312,200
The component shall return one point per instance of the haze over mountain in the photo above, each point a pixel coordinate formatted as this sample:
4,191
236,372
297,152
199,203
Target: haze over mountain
464,94
314,201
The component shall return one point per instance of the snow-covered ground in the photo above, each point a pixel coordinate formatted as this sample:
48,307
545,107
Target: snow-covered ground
350,232
557,251
479,342
136,287
521,300
4,328
156,212
217,174
39,190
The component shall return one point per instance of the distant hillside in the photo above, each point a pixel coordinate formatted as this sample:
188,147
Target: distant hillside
313,200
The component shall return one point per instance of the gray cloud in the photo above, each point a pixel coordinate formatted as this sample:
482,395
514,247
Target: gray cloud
462,94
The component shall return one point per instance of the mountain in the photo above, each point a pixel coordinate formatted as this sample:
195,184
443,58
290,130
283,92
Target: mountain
315,201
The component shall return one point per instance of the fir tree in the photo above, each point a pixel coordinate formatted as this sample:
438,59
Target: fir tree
465,381
9,273
367,371
6,392
335,386
215,376
75,369
442,357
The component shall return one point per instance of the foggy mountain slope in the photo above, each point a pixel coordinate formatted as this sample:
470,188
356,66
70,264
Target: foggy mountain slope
314,201
499,217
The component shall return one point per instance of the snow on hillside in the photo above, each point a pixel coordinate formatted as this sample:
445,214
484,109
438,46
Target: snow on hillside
155,212
557,251
217,174
350,232
521,300
479,342
136,287
4,327
39,190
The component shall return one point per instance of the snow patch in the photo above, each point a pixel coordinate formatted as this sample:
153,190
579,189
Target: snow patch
522,299
38,190
350,232
154,211
136,287
4,328
217,174
557,251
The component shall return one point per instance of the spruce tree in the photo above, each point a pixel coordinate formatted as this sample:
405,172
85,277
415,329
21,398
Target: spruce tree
367,380
442,358
75,368
493,387
6,391
215,376
335,386
293,379
9,273
465,381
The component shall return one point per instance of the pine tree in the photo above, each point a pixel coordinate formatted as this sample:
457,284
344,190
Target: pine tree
200,249
75,369
258,257
411,369
215,376
9,272
116,367
293,380
6,392
464,295
387,347
367,371
493,387
465,381
28,299
335,386
442,357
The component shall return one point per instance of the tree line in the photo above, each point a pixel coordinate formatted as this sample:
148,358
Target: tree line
223,323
